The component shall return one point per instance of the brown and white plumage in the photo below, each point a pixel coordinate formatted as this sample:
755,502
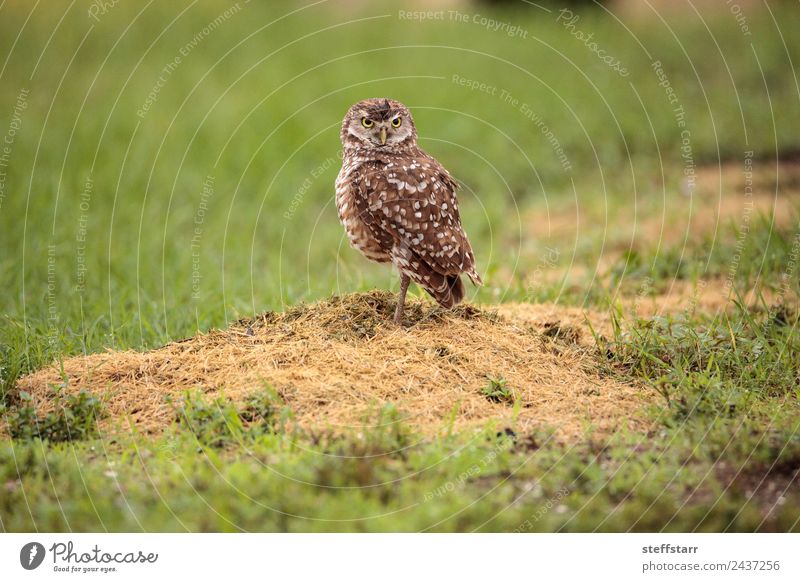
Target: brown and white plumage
398,204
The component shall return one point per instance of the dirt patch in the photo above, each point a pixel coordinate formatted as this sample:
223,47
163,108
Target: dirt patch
681,299
569,325
724,196
708,296
335,361
583,243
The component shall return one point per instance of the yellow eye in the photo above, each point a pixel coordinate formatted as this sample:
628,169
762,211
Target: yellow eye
366,122
397,121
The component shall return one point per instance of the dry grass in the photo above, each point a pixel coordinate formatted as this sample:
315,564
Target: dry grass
335,361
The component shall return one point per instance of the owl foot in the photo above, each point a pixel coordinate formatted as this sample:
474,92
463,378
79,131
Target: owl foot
401,299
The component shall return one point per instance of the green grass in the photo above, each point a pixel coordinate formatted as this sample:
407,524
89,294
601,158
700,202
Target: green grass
256,107
74,418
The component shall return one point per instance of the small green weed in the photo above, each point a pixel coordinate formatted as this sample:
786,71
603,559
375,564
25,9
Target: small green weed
214,423
219,422
497,390
266,410
74,418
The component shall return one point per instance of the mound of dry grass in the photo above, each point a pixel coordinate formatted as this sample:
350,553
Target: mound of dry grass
335,361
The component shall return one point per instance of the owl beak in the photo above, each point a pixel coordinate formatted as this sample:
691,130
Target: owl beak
383,136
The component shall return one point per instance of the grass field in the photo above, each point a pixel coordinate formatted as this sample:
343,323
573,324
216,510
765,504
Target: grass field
168,168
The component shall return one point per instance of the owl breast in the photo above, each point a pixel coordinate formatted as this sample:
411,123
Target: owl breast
401,207
359,234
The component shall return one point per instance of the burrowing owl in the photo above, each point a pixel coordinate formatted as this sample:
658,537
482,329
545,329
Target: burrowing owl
398,204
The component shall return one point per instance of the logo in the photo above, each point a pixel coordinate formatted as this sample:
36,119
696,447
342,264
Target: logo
31,555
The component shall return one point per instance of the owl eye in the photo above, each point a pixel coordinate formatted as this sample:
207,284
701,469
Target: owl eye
397,121
366,122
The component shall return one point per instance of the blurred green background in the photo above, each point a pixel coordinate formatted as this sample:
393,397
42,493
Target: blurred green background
148,101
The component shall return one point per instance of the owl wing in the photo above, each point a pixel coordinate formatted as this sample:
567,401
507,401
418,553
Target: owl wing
413,202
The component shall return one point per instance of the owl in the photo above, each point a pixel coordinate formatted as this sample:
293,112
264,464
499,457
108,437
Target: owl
398,204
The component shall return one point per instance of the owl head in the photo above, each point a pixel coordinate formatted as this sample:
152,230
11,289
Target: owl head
378,124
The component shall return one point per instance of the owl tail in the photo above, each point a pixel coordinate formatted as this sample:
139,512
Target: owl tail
447,290
474,277
450,292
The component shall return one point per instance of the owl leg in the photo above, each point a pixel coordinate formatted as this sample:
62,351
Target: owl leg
401,299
